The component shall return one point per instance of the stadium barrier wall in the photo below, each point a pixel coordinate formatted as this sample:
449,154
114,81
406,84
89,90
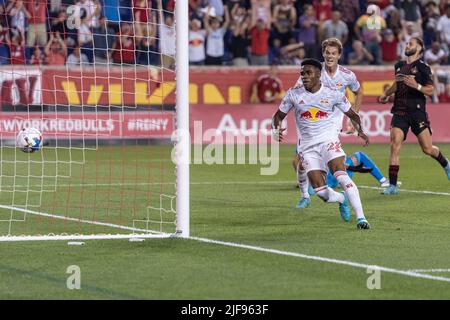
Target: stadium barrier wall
142,85
218,96
245,121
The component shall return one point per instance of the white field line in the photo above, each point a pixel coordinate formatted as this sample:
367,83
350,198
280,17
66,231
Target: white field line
98,223
408,273
429,270
81,237
91,185
205,240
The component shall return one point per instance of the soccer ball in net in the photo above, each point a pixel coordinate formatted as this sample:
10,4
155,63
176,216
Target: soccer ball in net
29,140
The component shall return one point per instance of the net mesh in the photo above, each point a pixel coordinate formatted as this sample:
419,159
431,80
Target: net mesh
101,92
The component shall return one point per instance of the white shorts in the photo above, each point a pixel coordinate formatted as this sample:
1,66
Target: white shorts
317,157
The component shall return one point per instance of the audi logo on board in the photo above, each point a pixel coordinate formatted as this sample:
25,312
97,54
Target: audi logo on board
375,123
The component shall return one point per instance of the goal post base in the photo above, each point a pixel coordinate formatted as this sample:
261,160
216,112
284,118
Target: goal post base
85,237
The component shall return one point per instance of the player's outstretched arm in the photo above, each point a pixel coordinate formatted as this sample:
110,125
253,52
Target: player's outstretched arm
276,125
384,98
356,120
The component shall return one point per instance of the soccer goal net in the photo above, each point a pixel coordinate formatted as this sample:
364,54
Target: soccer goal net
106,87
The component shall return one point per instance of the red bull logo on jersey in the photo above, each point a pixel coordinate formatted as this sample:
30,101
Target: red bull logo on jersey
313,114
339,86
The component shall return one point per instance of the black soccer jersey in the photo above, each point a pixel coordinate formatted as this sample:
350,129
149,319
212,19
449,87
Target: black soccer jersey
408,99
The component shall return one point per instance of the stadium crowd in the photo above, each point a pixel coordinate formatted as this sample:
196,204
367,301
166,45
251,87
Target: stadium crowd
222,32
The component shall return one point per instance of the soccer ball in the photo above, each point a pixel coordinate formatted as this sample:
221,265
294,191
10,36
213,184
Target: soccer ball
29,140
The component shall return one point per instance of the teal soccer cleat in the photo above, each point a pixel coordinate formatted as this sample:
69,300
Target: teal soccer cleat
362,223
311,191
391,190
303,203
344,209
447,170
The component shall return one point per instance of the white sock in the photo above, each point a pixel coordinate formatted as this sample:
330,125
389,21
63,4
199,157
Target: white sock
322,193
334,196
383,180
303,183
329,195
352,192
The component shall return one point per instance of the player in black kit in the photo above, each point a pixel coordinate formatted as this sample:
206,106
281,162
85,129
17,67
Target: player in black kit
413,82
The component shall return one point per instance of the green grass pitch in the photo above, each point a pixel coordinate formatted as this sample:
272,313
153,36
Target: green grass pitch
232,203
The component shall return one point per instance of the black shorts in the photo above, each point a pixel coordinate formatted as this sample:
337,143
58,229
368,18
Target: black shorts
418,121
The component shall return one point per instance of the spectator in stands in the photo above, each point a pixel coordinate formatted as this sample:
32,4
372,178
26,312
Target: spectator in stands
123,47
292,54
197,9
141,14
360,55
92,10
275,52
323,9
218,8
389,47
17,47
429,25
267,88
284,21
410,12
85,38
77,58
197,40
59,24
350,13
111,11
334,28
239,44
393,19
146,50
308,31
18,13
260,10
259,36
55,50
4,38
167,38
435,55
103,37
37,31
55,6
368,29
238,14
215,46
37,58
443,28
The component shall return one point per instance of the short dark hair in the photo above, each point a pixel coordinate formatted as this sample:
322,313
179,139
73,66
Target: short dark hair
312,62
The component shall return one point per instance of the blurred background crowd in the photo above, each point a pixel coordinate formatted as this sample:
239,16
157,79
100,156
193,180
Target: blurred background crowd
222,32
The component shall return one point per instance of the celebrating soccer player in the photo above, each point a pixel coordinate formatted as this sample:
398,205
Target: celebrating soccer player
316,108
339,78
413,82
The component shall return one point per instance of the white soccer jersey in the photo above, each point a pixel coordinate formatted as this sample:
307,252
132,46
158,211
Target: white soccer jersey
315,113
342,79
